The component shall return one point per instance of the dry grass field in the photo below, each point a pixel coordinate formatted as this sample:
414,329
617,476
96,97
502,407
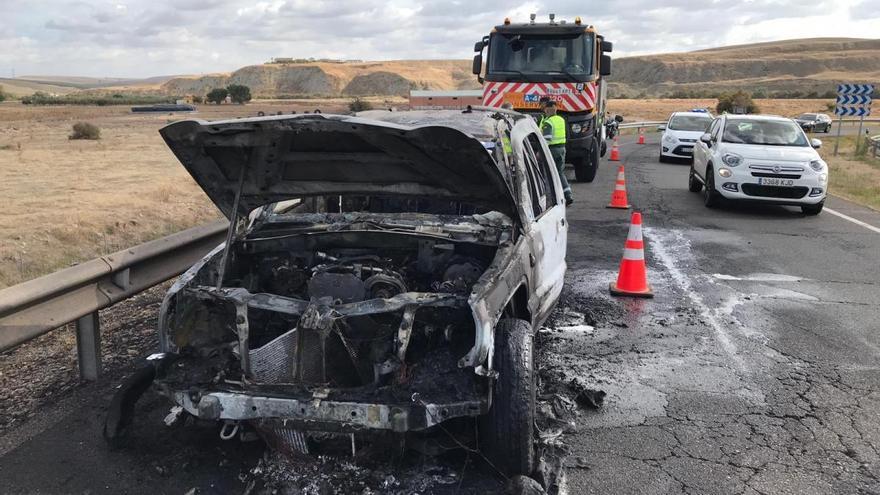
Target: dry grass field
69,201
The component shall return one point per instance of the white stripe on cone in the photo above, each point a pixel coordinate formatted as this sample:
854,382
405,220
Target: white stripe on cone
635,233
633,254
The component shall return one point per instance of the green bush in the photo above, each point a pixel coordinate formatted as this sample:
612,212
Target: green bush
216,95
85,130
729,102
240,94
41,98
359,105
2,94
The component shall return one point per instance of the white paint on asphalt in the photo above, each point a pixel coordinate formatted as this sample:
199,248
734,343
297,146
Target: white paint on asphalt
853,220
660,247
760,277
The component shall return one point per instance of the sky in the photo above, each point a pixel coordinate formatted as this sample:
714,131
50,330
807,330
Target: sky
142,38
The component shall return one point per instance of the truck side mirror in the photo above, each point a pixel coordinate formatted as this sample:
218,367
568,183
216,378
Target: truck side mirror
606,46
605,65
477,66
618,118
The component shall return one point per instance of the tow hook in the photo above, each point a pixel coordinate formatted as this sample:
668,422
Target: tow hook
229,430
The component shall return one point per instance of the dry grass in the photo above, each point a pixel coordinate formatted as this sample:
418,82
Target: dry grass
68,201
851,176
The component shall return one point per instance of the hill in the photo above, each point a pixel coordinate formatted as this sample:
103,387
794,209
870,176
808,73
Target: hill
325,79
792,66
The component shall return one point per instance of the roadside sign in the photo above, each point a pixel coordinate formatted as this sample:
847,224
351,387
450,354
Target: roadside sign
855,89
843,99
853,100
864,111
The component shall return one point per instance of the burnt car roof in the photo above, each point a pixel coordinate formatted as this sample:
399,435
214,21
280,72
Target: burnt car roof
283,157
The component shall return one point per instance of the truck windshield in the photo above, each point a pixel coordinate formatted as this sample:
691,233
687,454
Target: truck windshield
533,54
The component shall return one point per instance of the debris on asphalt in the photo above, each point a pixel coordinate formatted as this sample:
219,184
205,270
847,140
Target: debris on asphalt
588,397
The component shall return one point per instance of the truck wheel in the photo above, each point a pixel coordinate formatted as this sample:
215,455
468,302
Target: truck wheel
506,431
585,168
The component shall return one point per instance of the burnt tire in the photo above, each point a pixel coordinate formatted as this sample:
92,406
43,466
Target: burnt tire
585,168
506,432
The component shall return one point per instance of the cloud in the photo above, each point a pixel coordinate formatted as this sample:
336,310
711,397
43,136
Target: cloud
130,38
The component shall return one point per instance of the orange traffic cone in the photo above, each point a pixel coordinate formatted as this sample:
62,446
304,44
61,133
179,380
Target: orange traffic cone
633,277
641,136
618,196
615,152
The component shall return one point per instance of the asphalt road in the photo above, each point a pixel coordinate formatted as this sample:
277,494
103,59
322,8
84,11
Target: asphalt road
755,369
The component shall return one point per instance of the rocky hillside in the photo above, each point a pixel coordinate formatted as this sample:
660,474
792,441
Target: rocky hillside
780,68
805,65
336,79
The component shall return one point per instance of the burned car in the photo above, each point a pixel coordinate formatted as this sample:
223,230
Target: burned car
379,278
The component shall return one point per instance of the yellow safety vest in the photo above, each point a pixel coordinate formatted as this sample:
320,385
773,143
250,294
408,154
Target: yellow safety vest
557,126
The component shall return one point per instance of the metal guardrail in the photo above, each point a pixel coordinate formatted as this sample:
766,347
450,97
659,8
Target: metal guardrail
873,145
634,125
35,307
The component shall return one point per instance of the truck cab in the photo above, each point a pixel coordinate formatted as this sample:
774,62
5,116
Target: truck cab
564,61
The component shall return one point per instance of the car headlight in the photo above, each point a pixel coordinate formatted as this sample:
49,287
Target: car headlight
576,128
731,159
823,179
668,138
817,165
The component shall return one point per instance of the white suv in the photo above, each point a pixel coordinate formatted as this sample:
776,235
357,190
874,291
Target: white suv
760,158
680,134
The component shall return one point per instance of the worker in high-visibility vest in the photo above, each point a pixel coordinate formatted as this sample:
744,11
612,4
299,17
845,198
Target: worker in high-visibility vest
553,128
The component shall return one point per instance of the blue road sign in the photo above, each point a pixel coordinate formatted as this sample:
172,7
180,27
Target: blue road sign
855,89
853,111
853,99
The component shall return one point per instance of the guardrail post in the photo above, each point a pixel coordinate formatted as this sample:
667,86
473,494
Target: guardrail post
88,346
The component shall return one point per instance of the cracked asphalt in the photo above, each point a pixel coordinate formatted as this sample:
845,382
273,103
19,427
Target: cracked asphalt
754,370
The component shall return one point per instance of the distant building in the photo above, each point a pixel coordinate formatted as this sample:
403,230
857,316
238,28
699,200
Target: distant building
439,100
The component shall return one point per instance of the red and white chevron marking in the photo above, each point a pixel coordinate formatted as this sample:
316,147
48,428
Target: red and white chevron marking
567,96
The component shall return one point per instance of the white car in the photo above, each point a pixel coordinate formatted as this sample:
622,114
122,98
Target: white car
760,158
681,133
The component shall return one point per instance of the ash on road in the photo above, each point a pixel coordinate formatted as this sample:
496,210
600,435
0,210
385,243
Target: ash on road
755,370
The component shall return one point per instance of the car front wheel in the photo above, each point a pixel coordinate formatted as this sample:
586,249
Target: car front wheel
711,198
694,184
506,431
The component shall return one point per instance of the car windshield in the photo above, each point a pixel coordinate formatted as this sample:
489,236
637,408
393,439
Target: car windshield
808,116
541,54
764,132
689,123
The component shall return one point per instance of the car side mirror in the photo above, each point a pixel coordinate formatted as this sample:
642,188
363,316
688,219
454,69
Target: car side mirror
661,128
706,138
816,143
618,118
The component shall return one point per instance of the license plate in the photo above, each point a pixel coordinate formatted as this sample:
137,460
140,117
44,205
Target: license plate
688,149
771,181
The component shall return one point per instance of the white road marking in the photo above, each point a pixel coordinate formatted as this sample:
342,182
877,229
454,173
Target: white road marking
658,246
760,277
853,220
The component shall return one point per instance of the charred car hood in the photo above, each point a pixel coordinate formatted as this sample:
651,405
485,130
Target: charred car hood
305,155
